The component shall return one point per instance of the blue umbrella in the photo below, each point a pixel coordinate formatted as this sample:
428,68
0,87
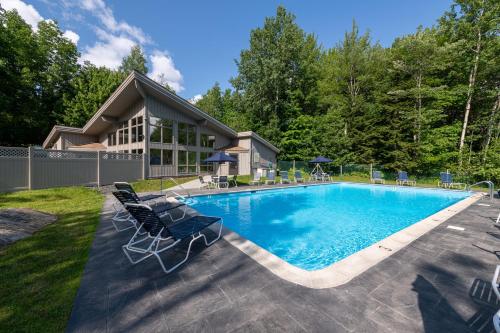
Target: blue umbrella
321,159
220,157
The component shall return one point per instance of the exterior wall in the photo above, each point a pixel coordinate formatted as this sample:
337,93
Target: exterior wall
160,110
244,164
262,156
73,139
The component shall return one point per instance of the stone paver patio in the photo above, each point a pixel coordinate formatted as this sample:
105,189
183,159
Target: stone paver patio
429,286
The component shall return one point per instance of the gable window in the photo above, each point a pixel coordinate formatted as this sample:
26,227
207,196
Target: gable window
123,133
207,141
136,129
187,162
160,130
111,139
187,134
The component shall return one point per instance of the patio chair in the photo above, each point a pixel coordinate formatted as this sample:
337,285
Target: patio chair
271,177
256,179
223,182
325,177
284,177
234,180
163,208
403,179
446,181
316,176
377,177
143,198
205,184
298,177
159,232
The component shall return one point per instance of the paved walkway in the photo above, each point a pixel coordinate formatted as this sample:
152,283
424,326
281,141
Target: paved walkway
432,285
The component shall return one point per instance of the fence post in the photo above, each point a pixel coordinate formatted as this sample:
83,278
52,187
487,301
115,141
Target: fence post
99,168
341,171
143,167
293,166
30,167
371,170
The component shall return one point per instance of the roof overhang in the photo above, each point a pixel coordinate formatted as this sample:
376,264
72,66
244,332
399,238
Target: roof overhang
56,131
137,86
253,135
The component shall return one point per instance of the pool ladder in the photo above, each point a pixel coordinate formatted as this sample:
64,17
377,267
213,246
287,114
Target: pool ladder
490,187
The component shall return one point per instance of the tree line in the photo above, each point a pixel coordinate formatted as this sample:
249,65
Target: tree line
426,103
42,84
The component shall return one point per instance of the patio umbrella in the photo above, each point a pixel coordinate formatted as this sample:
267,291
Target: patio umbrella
220,157
318,160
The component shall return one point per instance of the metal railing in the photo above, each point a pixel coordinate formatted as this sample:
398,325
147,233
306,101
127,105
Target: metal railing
490,184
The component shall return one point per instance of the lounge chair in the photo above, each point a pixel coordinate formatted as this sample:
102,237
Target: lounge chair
316,176
158,231
377,177
284,177
271,178
404,180
223,182
163,208
446,181
256,179
298,177
143,198
234,181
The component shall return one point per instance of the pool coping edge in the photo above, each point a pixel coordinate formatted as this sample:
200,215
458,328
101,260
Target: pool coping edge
348,268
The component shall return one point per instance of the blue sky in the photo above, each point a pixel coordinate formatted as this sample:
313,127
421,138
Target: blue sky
193,44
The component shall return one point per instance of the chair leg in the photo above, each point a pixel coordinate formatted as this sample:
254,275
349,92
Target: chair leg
171,269
218,235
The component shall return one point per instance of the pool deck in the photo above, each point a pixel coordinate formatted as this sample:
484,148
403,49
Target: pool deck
432,285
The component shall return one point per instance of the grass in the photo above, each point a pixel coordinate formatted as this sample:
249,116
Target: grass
154,185
40,275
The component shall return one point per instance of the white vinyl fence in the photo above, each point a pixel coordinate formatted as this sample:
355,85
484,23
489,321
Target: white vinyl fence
29,168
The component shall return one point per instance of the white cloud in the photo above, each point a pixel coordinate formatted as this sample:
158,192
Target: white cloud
27,12
163,70
107,18
72,36
109,51
195,98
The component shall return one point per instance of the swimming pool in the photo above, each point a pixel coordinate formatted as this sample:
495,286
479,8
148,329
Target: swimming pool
312,227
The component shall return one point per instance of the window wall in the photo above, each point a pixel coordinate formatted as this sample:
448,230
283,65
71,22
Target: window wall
160,130
136,129
161,157
186,162
187,134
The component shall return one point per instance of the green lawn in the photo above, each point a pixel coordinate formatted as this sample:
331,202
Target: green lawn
40,275
152,185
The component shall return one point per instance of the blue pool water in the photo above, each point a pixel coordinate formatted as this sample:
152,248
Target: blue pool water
312,227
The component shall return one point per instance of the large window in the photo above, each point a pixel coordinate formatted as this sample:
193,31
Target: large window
187,161
161,157
187,134
206,167
136,129
111,139
123,133
160,130
207,141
